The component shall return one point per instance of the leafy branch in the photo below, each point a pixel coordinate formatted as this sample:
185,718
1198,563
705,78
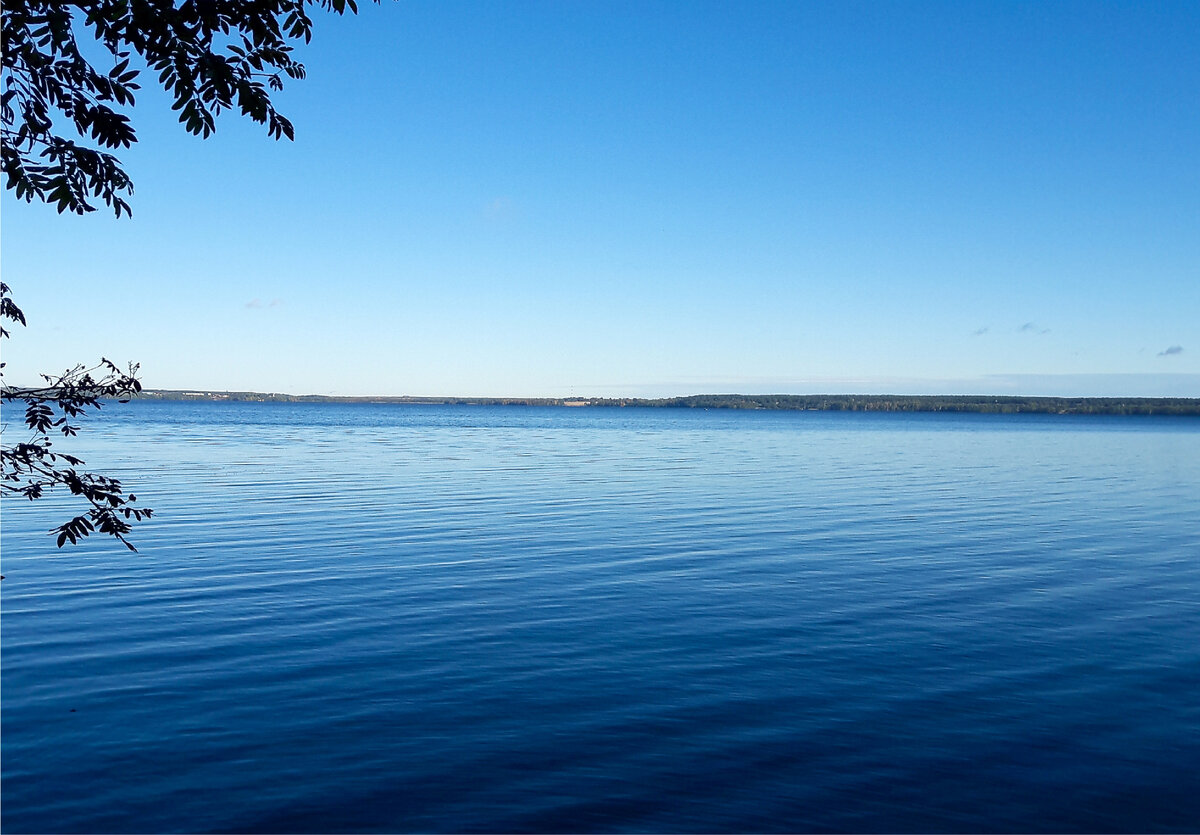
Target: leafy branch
209,55
31,467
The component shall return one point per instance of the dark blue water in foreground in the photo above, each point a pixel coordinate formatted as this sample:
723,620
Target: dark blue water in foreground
352,618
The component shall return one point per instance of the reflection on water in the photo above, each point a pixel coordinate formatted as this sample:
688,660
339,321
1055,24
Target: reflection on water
512,619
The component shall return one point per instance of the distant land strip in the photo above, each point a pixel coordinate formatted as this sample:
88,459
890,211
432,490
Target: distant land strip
1189,406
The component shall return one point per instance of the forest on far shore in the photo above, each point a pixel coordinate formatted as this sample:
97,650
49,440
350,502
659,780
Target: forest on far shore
776,402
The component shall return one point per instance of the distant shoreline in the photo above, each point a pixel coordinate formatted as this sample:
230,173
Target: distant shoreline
1189,406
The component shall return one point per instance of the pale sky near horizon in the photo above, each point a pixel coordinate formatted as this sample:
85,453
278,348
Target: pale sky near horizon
661,198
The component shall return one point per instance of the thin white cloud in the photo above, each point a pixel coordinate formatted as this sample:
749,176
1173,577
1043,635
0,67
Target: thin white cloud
498,208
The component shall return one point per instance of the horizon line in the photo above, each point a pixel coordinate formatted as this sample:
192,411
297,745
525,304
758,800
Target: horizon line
198,392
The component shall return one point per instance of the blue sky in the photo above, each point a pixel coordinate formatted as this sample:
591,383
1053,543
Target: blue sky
661,198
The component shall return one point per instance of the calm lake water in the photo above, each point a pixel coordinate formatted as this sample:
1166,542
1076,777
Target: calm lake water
400,618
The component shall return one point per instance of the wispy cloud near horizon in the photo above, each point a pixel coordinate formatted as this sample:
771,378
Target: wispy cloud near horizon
1173,351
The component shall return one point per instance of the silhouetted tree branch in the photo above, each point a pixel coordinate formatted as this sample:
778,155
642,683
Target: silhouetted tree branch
209,55
30,467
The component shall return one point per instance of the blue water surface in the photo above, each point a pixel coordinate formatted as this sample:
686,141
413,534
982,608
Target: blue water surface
408,618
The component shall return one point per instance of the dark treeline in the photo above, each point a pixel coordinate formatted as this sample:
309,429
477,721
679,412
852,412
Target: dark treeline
940,403
782,402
